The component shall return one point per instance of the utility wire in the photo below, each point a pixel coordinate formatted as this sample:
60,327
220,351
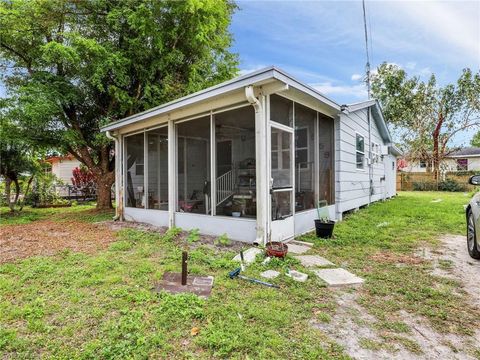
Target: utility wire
367,66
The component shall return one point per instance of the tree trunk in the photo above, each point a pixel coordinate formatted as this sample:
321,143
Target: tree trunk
436,148
26,191
8,191
104,193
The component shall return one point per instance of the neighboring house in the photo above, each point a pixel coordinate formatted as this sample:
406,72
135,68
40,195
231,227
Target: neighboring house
466,159
251,158
62,167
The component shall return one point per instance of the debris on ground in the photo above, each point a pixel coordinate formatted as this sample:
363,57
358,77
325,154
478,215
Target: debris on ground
297,275
270,274
338,277
437,200
249,255
47,237
313,261
382,224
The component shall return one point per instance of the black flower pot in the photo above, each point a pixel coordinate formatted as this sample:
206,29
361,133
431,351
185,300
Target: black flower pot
324,229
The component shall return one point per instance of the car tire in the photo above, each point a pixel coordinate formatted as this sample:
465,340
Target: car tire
471,238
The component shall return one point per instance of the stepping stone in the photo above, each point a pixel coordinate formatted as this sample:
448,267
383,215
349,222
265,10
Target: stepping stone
270,274
297,275
313,260
338,277
298,242
249,255
297,249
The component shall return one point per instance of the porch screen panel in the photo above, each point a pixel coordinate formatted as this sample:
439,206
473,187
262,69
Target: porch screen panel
326,174
193,166
235,167
157,169
305,120
134,150
281,110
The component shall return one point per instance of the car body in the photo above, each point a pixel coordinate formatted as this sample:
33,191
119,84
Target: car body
472,213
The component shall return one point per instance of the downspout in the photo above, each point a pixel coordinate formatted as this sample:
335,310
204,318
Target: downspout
260,155
370,161
119,207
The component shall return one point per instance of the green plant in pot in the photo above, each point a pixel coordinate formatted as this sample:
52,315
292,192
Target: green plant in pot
323,225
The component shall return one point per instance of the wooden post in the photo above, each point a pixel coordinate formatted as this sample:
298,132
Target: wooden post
184,267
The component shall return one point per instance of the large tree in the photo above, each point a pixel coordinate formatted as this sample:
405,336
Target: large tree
426,116
72,66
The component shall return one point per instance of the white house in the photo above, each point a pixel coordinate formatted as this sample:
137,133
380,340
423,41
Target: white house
251,158
465,159
62,167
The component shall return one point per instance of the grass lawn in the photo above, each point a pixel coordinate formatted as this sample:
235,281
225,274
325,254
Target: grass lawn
76,305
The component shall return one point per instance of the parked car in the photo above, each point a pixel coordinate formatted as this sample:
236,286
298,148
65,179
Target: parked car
473,221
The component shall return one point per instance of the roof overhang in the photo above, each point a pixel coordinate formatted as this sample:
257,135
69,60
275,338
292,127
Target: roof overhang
377,114
392,149
258,78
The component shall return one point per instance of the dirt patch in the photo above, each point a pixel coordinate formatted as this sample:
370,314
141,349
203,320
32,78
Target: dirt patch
354,329
357,331
391,258
46,237
451,260
182,238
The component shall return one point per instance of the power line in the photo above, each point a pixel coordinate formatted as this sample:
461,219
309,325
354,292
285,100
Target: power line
367,66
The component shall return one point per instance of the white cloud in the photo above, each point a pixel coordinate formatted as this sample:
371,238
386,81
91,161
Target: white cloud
353,92
356,77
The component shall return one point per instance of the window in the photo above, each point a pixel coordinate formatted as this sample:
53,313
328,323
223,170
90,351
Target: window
360,151
462,164
301,148
134,159
281,110
305,122
193,166
157,160
139,167
326,175
280,149
423,164
375,153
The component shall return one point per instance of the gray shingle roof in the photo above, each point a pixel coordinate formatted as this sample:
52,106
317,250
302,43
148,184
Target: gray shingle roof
467,151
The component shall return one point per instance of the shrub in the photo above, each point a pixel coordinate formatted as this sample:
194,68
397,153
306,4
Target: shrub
451,185
44,191
424,186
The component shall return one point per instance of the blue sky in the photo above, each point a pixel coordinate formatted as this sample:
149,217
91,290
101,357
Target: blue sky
322,42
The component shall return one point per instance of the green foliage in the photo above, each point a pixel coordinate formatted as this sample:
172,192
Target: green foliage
172,234
222,240
44,191
425,115
448,184
452,185
475,139
193,236
87,63
424,186
104,302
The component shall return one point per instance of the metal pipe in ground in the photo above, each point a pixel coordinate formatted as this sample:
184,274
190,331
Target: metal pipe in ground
184,267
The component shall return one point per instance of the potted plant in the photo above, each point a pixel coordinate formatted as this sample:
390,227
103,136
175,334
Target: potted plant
323,225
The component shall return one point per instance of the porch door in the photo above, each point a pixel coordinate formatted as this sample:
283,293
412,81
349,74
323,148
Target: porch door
281,183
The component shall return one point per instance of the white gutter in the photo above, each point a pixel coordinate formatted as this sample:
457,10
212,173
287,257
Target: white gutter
260,164
119,207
